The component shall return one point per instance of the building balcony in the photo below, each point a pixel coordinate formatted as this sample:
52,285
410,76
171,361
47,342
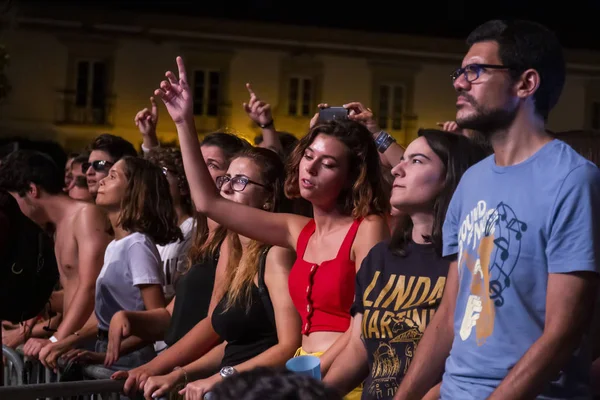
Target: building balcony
74,108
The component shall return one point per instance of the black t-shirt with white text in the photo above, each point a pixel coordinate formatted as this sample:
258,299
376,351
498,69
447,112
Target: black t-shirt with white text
398,297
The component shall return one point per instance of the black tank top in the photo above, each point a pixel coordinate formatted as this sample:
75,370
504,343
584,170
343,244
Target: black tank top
192,298
248,332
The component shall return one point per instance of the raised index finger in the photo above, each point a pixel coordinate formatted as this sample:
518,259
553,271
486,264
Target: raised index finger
250,90
181,68
154,106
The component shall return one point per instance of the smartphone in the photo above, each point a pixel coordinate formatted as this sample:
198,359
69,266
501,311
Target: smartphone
333,113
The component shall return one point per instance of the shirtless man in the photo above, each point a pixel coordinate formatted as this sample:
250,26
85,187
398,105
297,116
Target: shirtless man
80,233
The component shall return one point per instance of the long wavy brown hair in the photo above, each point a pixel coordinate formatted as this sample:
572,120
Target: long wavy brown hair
364,193
242,265
204,243
147,206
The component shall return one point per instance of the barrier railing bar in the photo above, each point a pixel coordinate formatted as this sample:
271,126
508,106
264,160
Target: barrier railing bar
17,363
60,389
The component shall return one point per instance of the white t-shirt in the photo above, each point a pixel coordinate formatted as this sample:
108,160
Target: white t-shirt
128,262
173,256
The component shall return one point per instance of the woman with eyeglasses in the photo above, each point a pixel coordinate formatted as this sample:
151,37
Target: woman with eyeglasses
136,197
254,313
336,168
183,325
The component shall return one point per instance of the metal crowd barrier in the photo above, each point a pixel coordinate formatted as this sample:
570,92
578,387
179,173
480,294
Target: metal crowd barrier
29,379
105,389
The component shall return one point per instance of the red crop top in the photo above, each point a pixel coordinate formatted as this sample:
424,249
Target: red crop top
323,294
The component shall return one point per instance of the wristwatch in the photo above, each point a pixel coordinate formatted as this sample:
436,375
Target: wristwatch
226,372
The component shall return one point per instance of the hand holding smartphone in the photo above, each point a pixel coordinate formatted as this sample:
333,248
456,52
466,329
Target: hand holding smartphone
332,113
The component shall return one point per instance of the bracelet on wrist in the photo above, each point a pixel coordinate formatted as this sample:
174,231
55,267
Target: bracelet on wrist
383,141
185,375
267,125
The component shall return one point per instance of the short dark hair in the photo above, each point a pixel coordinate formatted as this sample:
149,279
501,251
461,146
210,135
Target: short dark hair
21,168
115,146
81,159
272,384
229,143
526,45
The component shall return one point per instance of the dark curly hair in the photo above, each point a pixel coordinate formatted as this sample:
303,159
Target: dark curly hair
115,146
24,167
272,384
147,206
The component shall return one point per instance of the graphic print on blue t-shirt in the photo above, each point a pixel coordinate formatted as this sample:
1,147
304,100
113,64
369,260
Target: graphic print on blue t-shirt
487,237
511,228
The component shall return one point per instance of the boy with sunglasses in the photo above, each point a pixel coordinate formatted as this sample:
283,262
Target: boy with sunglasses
105,151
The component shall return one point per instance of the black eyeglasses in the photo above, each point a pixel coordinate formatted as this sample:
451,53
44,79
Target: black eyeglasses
472,71
98,165
238,182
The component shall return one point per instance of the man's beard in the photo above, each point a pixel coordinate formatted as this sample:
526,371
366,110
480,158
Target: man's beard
486,121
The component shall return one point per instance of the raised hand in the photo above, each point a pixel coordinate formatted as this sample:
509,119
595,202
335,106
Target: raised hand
451,126
358,112
258,110
315,119
175,93
147,119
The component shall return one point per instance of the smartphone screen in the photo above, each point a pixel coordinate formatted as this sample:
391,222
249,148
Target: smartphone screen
333,113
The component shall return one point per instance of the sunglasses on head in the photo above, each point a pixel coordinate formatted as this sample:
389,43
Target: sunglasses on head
98,165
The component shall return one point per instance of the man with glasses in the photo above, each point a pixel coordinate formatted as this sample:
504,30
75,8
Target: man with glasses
80,232
523,230
105,151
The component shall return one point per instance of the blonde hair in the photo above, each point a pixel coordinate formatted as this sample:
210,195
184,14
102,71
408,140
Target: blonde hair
242,267
243,263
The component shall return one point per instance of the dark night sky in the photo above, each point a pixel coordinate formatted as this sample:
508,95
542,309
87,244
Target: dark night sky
575,21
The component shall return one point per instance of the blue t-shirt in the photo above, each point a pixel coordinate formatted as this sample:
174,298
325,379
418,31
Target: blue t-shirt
510,227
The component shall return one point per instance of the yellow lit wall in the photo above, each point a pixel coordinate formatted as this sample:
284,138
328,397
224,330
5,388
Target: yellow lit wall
39,68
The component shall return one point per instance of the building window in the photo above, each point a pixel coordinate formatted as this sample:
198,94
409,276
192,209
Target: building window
300,96
86,101
391,107
596,115
207,92
90,88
